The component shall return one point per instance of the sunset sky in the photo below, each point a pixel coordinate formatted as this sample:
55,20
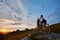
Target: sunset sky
21,14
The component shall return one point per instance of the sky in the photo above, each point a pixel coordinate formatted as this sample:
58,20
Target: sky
22,14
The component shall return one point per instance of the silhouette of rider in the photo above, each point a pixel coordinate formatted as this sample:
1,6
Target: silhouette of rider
41,21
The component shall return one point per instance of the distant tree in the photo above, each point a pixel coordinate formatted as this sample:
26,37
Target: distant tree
26,29
17,30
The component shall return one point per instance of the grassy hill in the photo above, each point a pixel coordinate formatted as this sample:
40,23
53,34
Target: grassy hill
55,28
17,35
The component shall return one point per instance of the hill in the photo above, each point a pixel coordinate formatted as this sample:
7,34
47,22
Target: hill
17,35
53,35
55,28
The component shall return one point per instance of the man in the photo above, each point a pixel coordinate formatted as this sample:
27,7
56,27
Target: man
40,22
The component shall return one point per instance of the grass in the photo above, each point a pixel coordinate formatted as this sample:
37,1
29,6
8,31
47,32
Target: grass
55,28
17,35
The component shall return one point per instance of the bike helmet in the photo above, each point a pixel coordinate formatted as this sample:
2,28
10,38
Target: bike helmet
41,15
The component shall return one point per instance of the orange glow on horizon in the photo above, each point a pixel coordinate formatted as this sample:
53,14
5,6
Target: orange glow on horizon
5,31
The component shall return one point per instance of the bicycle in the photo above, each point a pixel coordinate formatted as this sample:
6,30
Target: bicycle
44,29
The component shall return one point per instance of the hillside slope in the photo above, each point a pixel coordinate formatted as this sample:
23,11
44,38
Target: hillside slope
18,35
55,28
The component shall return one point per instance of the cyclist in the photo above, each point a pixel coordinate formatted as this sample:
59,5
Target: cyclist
40,22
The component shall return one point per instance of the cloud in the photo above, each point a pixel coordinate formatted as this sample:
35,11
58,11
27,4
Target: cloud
11,19
7,16
6,12
23,8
